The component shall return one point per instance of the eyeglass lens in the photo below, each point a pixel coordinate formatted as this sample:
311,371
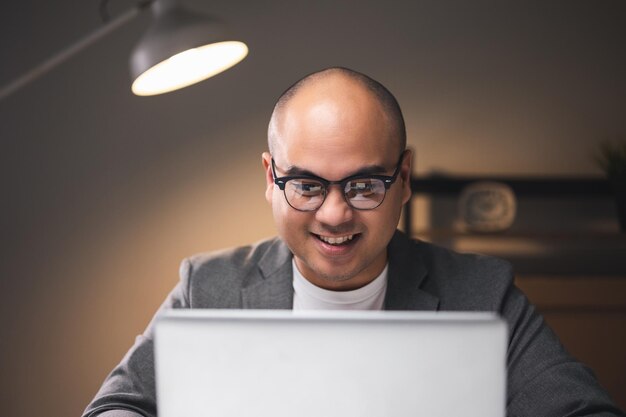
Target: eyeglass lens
309,194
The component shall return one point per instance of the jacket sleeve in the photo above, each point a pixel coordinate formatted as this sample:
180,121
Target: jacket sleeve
129,390
544,380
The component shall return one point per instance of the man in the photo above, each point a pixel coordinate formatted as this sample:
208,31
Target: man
337,175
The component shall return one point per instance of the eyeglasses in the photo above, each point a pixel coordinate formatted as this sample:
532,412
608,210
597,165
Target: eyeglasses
361,192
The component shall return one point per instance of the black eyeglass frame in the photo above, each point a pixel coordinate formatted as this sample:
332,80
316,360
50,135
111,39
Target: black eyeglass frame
386,179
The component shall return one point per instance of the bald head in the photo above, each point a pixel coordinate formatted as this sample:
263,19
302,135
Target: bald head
347,87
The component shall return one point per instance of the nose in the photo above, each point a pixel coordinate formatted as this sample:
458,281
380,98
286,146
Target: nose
335,210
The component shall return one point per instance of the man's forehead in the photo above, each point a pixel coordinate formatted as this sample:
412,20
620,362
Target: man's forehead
328,109
336,112
335,158
332,172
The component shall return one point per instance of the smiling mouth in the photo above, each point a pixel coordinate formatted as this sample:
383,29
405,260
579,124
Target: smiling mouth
336,240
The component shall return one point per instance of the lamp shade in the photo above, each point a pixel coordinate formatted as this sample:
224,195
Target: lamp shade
179,49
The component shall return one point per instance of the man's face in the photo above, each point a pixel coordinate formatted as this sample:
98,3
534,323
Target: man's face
335,130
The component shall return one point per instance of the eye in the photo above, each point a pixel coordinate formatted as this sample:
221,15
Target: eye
306,188
360,188
365,188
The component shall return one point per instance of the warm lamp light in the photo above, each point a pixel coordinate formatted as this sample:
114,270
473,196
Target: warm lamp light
181,48
189,67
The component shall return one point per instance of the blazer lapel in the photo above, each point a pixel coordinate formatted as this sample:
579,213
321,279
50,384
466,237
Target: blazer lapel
407,272
271,287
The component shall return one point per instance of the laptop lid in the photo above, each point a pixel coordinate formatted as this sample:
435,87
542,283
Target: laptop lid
263,363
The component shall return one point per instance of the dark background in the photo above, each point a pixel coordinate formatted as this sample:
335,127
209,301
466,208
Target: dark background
103,193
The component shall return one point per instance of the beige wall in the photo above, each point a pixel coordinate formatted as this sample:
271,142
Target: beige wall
104,193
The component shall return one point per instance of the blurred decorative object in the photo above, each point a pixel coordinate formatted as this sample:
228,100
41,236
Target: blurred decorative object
181,48
611,157
487,206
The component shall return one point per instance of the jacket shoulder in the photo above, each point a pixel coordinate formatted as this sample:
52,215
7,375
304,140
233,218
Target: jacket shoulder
215,279
465,281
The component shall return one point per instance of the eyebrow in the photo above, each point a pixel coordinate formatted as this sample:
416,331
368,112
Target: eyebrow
366,170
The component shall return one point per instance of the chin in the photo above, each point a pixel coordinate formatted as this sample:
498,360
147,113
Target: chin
336,273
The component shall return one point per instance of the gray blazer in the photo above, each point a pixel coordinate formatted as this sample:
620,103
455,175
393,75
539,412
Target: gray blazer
543,379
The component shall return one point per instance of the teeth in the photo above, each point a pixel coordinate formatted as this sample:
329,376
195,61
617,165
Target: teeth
336,240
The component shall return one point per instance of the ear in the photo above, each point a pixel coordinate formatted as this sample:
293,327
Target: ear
405,175
266,160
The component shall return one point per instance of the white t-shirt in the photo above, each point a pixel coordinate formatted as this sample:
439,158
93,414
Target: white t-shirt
308,296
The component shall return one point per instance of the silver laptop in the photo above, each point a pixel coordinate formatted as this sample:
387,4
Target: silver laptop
263,363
